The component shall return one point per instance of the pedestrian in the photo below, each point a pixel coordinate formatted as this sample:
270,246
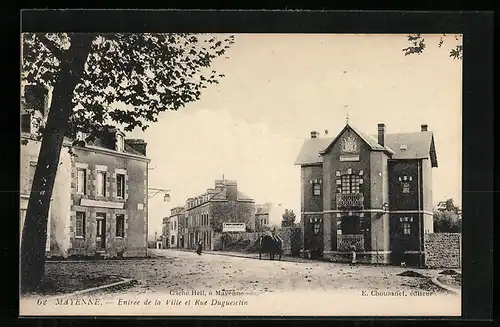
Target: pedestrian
198,247
353,248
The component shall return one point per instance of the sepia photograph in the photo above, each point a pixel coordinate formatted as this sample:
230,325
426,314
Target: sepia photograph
179,174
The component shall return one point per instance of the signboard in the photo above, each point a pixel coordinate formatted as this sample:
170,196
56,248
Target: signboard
233,227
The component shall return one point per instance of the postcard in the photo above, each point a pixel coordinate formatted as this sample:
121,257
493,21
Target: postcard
241,174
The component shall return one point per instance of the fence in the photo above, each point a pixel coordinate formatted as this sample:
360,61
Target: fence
345,242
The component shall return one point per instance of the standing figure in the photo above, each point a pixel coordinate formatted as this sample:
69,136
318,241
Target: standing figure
353,249
198,247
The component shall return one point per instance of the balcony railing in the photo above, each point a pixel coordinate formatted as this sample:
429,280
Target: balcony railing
345,242
350,201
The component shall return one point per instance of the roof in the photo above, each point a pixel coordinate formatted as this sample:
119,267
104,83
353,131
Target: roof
131,150
419,145
263,209
243,197
309,153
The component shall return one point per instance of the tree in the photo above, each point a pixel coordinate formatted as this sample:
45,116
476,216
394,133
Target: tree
90,74
447,218
288,218
418,45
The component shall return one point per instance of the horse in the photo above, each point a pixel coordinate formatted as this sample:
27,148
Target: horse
272,245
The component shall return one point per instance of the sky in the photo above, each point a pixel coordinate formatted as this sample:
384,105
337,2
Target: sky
278,88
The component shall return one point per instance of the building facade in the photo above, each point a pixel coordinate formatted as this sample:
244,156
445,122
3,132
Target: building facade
101,195
205,214
368,193
262,216
171,227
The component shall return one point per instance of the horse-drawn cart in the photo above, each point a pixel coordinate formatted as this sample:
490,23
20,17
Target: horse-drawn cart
272,245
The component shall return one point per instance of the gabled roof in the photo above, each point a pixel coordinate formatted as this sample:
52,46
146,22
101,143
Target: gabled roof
419,145
372,143
310,153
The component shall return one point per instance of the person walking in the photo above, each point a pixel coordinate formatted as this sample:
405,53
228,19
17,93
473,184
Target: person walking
199,247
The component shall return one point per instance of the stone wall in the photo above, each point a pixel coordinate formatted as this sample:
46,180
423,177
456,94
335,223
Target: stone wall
443,250
240,242
246,242
292,240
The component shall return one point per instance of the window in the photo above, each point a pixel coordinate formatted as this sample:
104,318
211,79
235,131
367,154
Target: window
406,188
120,186
120,225
316,189
80,224
350,184
406,228
81,181
101,183
175,225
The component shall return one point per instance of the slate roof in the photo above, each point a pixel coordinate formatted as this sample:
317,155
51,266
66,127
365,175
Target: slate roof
419,145
222,195
131,150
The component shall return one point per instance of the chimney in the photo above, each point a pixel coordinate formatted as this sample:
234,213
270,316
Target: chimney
381,134
137,144
314,134
231,190
423,128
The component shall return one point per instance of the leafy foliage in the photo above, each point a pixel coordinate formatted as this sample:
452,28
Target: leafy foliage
288,218
418,45
232,211
145,73
447,218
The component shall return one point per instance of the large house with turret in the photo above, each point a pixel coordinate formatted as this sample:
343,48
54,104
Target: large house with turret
370,194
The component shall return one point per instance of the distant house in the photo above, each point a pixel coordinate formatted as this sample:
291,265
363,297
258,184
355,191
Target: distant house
262,216
171,229
100,197
205,214
373,193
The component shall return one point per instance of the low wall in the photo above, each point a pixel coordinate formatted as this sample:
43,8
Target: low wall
443,250
247,242
242,242
292,240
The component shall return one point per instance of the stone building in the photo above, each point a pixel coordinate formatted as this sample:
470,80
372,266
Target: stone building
171,227
373,193
100,195
205,214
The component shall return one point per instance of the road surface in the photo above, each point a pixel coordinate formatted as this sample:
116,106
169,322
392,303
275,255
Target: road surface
172,269
184,283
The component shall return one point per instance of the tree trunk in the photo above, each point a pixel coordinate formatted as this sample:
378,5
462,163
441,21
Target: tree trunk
34,235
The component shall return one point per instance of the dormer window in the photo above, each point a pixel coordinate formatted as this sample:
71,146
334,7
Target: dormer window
403,147
120,142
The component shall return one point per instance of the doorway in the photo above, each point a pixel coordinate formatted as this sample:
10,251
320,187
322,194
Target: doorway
100,231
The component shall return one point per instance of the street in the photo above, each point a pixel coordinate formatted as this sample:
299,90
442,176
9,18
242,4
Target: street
175,282
173,269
